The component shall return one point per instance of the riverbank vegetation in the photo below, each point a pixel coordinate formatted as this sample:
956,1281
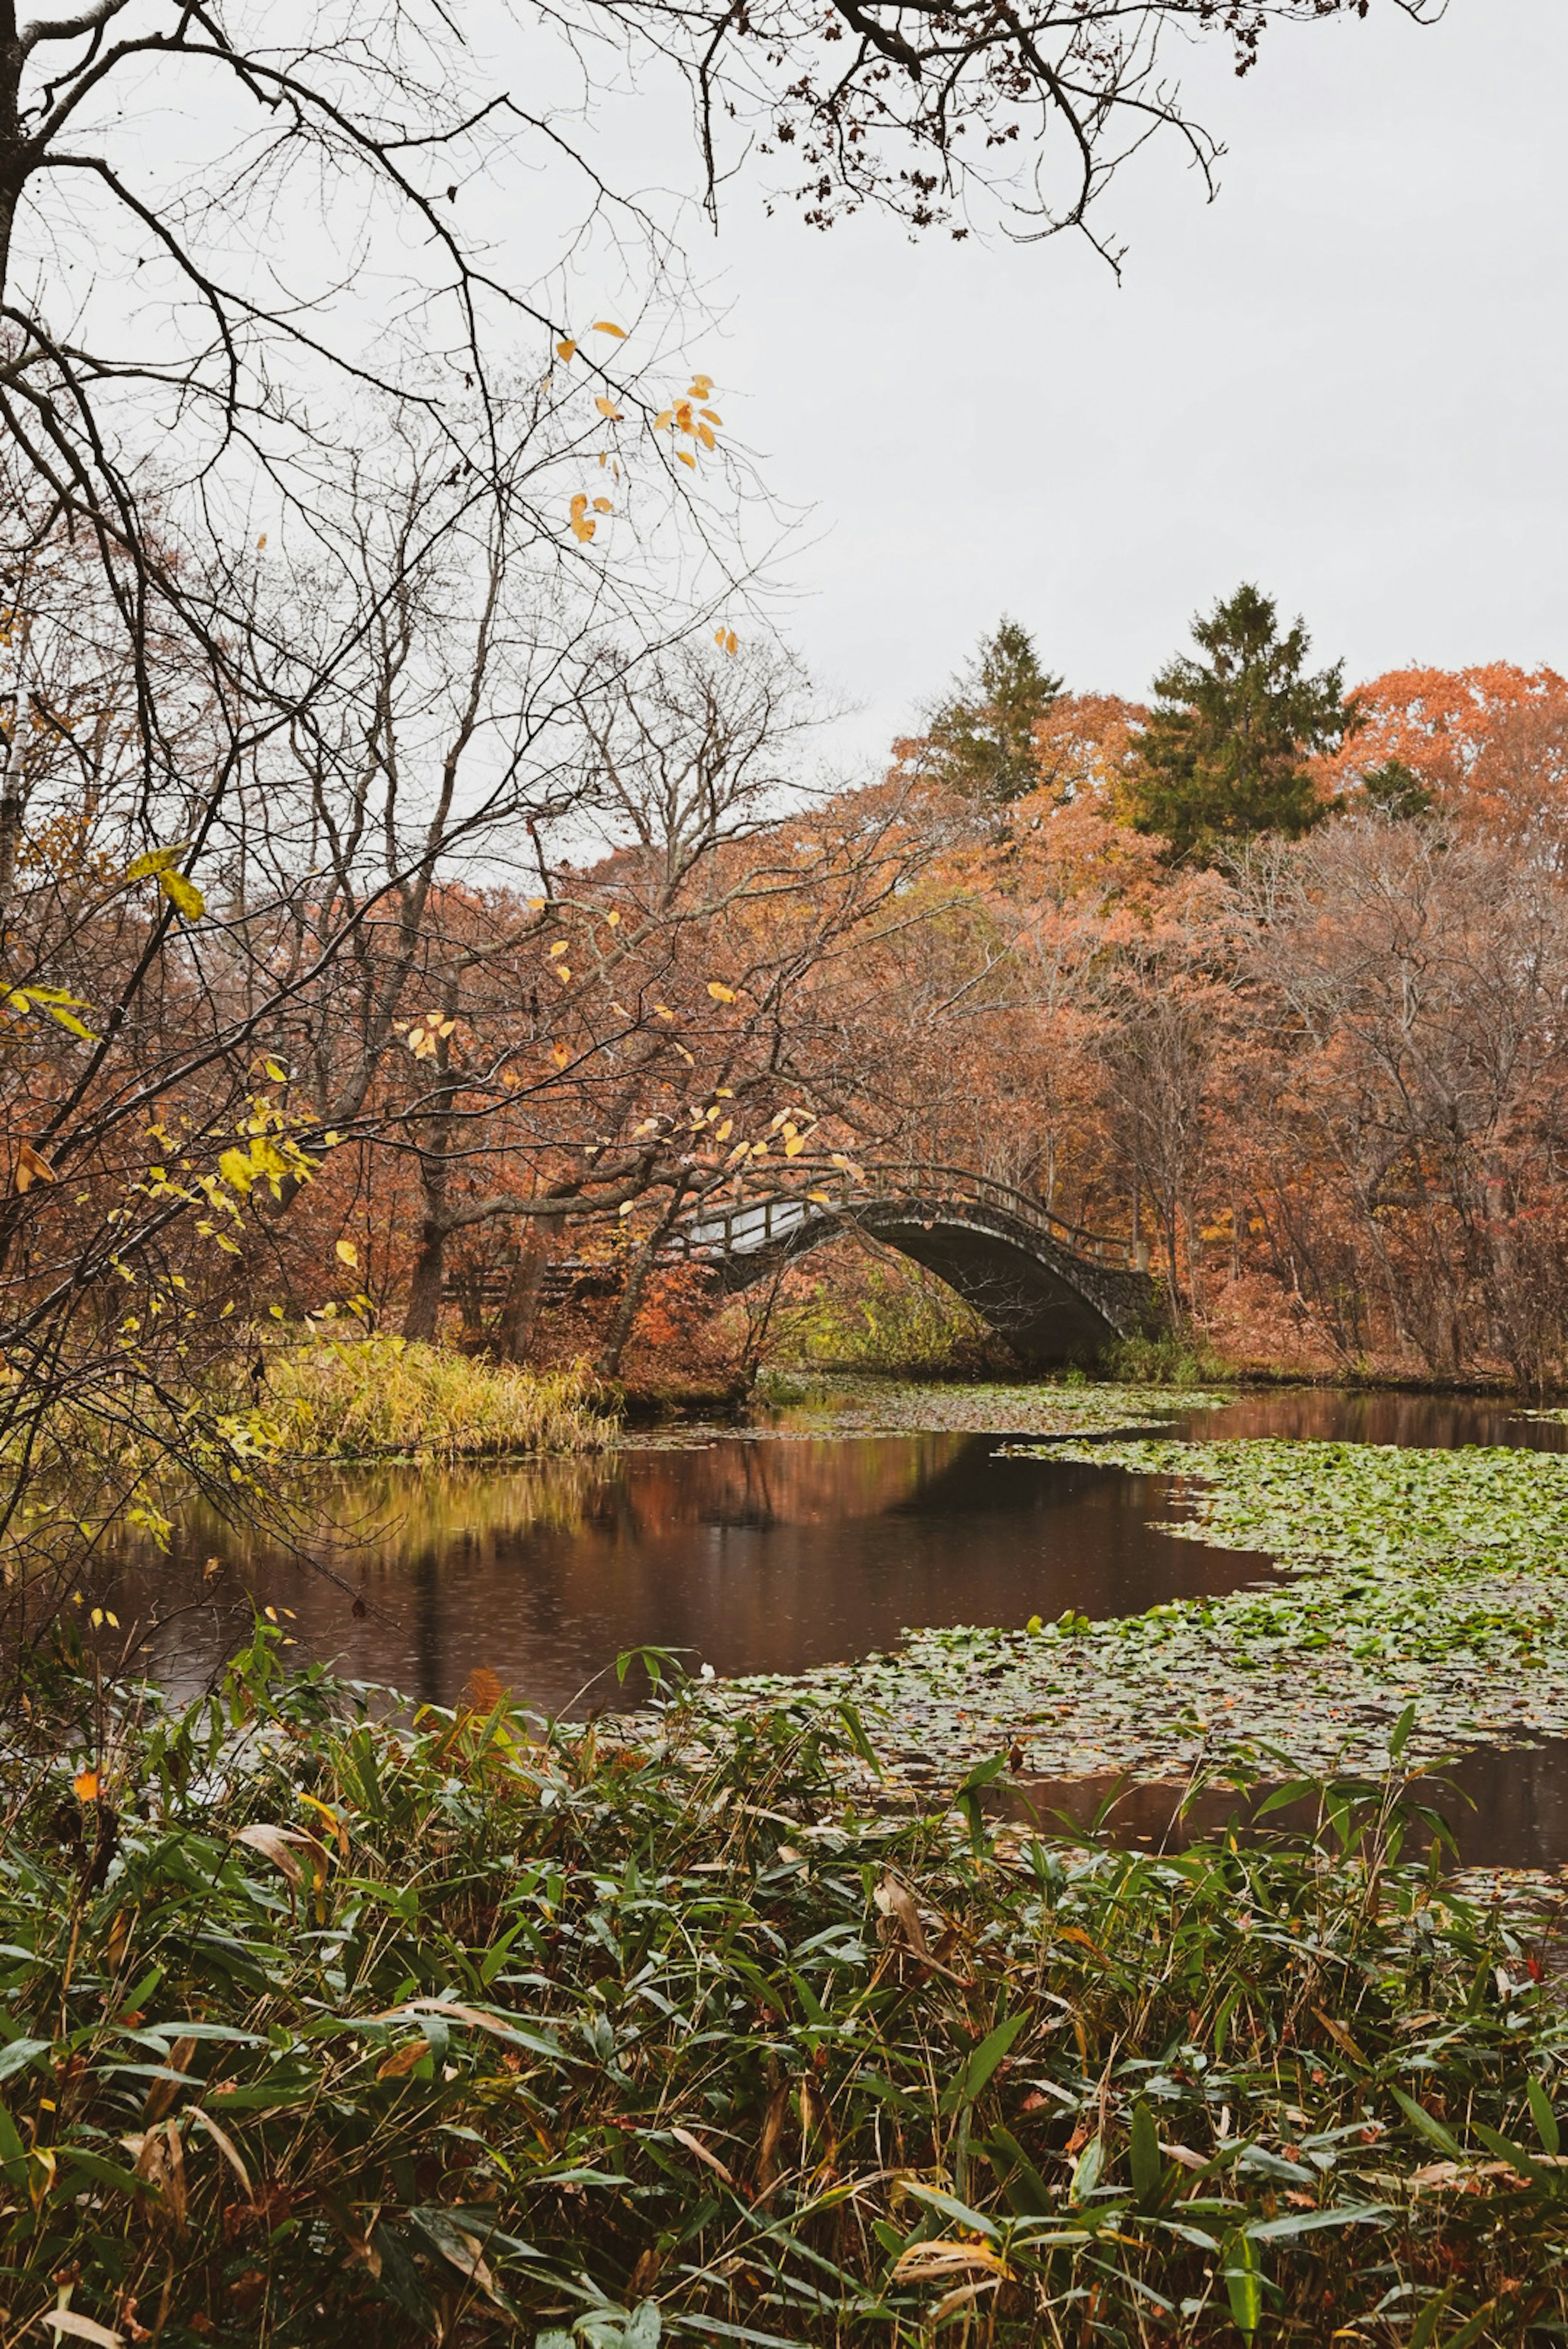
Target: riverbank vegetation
385,1397
319,2023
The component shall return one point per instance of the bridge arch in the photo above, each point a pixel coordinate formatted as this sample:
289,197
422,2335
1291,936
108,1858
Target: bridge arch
1056,1294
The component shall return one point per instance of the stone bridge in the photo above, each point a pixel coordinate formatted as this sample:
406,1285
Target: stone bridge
1054,1293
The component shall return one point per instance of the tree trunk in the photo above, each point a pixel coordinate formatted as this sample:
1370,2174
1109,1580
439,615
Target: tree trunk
623,1319
513,1332
627,1304
422,1318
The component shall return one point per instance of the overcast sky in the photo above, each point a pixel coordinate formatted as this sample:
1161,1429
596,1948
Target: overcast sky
1343,380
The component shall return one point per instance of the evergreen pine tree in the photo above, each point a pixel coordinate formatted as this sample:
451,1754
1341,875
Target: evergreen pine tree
1396,791
982,738
1223,756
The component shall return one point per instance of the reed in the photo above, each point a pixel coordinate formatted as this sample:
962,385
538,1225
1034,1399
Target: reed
322,2025
379,1397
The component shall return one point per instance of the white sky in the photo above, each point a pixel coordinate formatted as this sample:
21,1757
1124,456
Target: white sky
1343,380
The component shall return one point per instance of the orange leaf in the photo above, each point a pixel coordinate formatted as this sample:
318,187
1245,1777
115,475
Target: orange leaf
721,993
83,1785
607,408
687,457
566,350
604,326
32,1167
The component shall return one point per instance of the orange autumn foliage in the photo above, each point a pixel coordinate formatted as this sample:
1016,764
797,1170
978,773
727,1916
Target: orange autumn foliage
1491,741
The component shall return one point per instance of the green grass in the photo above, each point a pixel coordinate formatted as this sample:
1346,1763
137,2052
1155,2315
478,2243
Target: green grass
321,2029
379,1397
894,1320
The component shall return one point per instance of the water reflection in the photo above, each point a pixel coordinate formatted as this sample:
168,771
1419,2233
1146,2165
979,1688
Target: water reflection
1332,1415
750,1554
1505,1807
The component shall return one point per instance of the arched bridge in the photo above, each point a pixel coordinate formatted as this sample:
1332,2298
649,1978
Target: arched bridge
1056,1293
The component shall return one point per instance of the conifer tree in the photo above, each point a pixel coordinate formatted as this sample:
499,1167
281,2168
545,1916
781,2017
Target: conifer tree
982,738
1396,792
1224,755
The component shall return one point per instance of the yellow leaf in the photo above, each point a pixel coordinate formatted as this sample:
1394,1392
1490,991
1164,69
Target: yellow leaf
606,327
663,1011
607,408
603,505
705,434
687,459
560,1055
558,948
32,1167
701,387
731,642
612,919
793,1144
157,860
261,543
566,350
183,895
561,973
725,1131
625,1206
665,417
83,1785
346,1253
712,416
721,993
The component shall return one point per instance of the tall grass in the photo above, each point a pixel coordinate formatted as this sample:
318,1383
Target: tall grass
383,1397
321,2029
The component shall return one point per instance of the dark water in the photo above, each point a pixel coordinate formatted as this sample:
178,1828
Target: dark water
751,1554
772,1552
1502,1807
1327,1416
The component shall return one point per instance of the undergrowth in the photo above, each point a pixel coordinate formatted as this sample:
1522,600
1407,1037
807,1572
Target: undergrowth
893,1319
1173,1358
321,2026
380,1397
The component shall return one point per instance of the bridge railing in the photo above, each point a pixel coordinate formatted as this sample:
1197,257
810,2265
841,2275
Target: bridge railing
748,1226
709,1231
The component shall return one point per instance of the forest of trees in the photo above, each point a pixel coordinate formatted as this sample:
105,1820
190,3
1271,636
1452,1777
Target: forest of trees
412,868
1268,976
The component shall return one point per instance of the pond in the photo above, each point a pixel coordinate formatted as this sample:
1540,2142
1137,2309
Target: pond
770,1549
745,1551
